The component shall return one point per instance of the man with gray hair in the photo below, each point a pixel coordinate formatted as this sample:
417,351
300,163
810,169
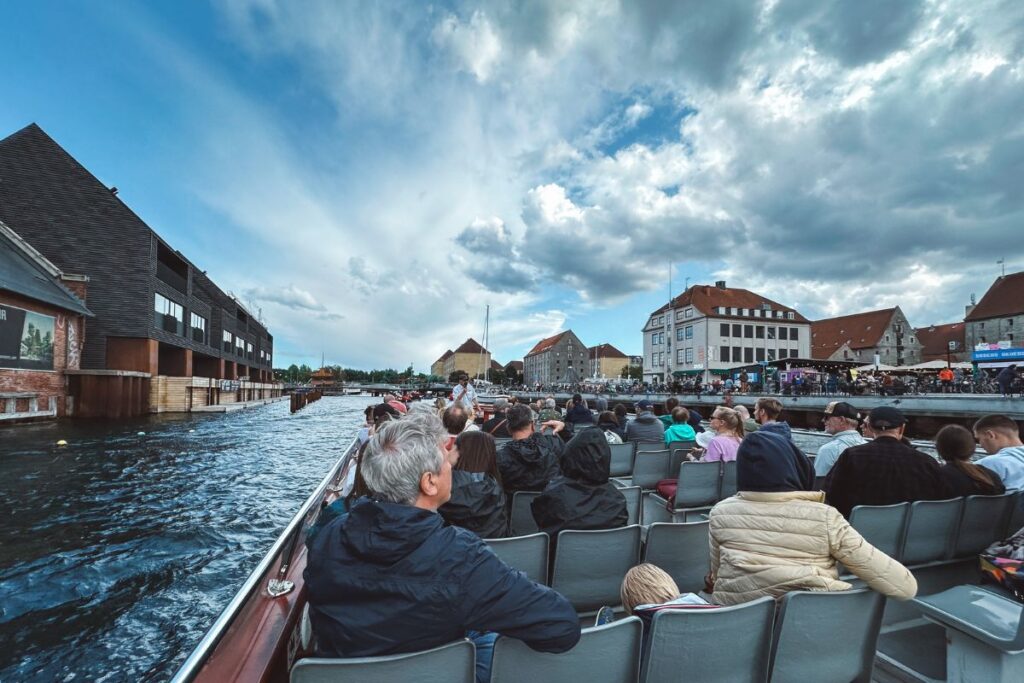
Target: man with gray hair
497,426
390,577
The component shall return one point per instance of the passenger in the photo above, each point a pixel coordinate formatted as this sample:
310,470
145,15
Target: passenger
767,411
465,393
728,429
390,577
439,405
680,430
1000,437
497,426
695,421
478,501
670,404
601,404
884,471
645,426
955,445
841,421
621,416
1006,377
530,460
456,421
610,424
578,414
364,432
775,536
581,497
646,584
549,411
749,423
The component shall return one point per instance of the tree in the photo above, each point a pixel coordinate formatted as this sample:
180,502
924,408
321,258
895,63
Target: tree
497,376
633,372
293,373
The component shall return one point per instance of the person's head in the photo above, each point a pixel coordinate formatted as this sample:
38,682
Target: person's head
587,458
670,404
996,432
577,399
608,417
440,403
463,379
368,415
680,415
644,406
726,421
620,412
602,404
887,421
382,412
500,404
954,442
549,403
520,420
647,584
422,407
767,409
840,416
455,419
742,410
767,462
405,462
477,453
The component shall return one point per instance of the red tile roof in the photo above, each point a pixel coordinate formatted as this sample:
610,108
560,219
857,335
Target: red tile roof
471,346
706,298
517,365
1003,299
935,340
605,351
860,331
545,344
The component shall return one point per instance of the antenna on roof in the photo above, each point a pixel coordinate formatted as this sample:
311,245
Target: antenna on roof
1002,263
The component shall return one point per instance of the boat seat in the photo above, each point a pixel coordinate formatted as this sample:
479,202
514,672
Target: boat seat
648,446
983,523
521,522
682,550
883,526
931,531
632,495
589,565
622,459
605,654
650,467
451,663
528,554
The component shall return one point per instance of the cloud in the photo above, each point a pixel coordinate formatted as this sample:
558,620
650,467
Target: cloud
475,44
289,297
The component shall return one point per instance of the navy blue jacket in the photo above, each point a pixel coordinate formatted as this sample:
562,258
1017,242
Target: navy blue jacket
390,578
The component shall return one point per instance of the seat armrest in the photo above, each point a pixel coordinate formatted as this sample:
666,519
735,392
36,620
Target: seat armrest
979,613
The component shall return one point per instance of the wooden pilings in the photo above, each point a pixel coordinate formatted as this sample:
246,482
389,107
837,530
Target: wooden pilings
302,398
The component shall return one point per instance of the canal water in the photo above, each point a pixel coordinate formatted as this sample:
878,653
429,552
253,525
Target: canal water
117,551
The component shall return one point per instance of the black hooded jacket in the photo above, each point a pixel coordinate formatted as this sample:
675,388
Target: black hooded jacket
768,462
582,497
529,464
477,504
390,578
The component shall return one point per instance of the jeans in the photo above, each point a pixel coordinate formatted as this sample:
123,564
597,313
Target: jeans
484,643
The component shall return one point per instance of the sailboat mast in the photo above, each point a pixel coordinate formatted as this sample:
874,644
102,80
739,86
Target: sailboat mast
487,342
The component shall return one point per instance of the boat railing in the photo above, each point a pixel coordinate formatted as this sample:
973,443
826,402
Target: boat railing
283,550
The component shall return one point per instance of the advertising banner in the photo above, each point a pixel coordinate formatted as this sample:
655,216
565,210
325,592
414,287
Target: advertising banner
26,339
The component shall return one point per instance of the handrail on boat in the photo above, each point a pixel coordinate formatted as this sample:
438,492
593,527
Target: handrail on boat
286,543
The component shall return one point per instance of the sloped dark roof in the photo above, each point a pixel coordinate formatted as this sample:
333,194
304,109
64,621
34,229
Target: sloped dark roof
516,365
706,298
935,339
495,365
25,272
859,330
471,346
605,351
547,343
1004,298
445,356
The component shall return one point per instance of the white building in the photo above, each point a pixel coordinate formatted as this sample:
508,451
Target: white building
715,328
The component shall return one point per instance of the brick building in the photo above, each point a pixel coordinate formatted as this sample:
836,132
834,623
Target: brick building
42,325
470,357
999,316
561,358
157,315
606,361
437,367
860,336
942,342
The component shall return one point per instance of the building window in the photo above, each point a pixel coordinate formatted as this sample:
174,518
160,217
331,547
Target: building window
654,338
748,355
737,331
723,354
679,334
723,329
689,355
794,353
661,320
198,325
248,350
733,310
229,342
680,356
748,331
756,312
771,332
759,354
794,333
720,310
240,347
737,354
170,316
783,333
759,332
886,339
689,331
771,355
688,313
790,315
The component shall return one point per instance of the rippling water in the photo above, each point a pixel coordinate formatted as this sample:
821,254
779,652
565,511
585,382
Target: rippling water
119,550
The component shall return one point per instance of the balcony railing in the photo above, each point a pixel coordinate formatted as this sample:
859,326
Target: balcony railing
169,323
169,276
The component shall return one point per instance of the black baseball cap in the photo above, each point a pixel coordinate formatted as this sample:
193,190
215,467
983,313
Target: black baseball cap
886,417
841,409
644,405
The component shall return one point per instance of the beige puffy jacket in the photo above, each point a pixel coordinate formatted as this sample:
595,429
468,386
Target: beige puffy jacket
773,543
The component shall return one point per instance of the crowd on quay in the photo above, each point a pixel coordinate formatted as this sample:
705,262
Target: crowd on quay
399,563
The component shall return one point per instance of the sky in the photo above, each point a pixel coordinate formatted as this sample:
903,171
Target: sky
371,176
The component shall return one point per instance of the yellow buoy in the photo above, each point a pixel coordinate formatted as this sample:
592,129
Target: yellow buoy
62,442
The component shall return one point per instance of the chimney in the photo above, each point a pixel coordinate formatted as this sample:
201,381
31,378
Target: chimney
970,307
720,284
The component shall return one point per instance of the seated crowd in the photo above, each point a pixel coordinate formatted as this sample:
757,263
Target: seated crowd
400,563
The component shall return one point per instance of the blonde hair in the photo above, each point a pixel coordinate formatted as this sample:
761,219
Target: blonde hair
647,584
731,418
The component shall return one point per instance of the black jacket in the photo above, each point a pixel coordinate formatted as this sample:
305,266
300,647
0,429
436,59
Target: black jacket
960,484
499,425
883,472
613,427
529,464
582,497
390,578
695,421
477,504
579,415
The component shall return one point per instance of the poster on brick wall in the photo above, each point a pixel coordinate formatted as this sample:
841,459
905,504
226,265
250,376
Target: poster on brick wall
26,339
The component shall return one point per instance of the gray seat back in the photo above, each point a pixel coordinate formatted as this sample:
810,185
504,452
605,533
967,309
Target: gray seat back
809,645
682,550
528,554
679,449
632,495
647,446
698,484
882,526
622,459
589,565
1016,514
728,480
724,644
650,467
521,521
451,663
605,654
983,522
931,530
994,619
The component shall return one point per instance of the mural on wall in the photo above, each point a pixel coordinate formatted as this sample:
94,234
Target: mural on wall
26,339
74,349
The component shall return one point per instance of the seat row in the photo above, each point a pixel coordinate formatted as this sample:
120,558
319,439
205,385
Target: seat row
745,643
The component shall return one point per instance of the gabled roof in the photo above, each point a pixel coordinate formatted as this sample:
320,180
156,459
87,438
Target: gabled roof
935,339
605,351
545,344
471,346
445,356
706,298
1004,298
860,331
25,271
517,365
495,365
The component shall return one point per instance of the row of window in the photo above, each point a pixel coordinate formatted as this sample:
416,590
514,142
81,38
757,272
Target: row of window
759,331
764,312
737,354
170,317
